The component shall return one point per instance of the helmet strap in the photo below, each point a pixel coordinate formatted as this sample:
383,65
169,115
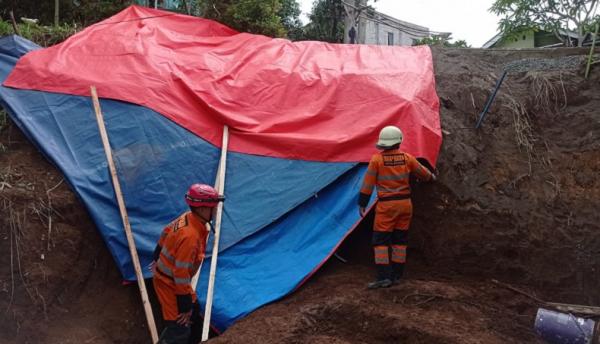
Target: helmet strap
209,220
210,226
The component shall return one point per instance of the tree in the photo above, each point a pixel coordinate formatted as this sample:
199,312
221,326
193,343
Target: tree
442,41
327,18
254,16
326,21
547,15
290,19
83,12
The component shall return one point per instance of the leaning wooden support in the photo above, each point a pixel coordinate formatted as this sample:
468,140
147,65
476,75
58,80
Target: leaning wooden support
591,57
561,307
124,217
208,228
14,24
575,309
215,251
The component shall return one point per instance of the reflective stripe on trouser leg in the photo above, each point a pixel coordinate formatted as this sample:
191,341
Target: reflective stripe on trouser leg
399,245
381,246
382,256
399,253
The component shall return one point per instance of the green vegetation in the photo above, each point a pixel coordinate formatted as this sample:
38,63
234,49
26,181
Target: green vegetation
548,15
254,16
41,35
326,22
82,12
442,41
275,18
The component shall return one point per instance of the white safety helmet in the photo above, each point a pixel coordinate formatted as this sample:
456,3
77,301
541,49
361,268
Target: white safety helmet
389,137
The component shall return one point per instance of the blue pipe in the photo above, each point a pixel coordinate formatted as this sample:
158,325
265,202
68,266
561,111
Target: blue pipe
490,100
562,328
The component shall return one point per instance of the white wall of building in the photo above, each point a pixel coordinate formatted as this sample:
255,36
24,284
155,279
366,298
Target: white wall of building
382,34
378,29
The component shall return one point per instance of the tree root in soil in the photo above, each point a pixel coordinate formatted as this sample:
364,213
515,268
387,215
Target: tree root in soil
549,94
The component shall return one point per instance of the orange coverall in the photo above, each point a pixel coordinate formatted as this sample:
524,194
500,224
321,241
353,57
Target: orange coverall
181,250
390,171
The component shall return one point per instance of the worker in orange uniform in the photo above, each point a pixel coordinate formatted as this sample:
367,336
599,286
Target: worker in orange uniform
389,170
177,257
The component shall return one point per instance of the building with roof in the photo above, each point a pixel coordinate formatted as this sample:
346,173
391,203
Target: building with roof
531,38
363,25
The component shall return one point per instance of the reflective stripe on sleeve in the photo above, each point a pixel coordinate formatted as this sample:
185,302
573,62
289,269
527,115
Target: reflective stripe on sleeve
182,280
394,177
164,269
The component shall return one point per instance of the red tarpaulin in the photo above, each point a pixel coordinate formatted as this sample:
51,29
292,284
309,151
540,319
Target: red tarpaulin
301,100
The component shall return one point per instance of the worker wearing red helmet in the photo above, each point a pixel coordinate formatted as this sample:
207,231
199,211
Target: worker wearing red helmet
178,255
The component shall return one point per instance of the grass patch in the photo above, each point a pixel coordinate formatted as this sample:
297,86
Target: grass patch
42,35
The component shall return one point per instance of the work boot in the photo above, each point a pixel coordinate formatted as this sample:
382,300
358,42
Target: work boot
398,272
384,277
384,283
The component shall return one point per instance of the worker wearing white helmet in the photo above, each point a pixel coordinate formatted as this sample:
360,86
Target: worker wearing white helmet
390,170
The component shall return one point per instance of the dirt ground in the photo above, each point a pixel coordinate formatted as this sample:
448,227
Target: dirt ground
515,207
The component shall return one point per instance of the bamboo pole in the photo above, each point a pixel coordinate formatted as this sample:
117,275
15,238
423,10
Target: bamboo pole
589,64
215,251
578,309
14,23
197,275
124,217
56,11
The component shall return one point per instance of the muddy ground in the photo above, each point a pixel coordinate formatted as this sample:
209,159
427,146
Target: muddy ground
515,207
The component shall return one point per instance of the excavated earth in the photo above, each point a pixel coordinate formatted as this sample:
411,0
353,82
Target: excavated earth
512,222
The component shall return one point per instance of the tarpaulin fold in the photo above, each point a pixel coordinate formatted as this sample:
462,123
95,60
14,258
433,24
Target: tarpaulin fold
295,100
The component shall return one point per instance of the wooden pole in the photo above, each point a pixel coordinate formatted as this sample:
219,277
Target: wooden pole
14,23
578,309
589,64
124,217
223,151
56,11
188,7
215,251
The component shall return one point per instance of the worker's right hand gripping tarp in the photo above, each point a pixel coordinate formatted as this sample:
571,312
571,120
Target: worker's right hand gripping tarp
289,202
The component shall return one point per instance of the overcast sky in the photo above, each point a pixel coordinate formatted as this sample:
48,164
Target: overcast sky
466,19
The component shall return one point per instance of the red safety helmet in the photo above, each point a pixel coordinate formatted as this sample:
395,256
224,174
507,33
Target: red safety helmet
202,195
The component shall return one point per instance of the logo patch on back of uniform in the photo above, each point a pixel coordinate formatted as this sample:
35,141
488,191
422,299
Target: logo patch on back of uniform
394,160
181,222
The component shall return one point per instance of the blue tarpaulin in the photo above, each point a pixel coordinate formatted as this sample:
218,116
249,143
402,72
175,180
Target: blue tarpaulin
282,217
